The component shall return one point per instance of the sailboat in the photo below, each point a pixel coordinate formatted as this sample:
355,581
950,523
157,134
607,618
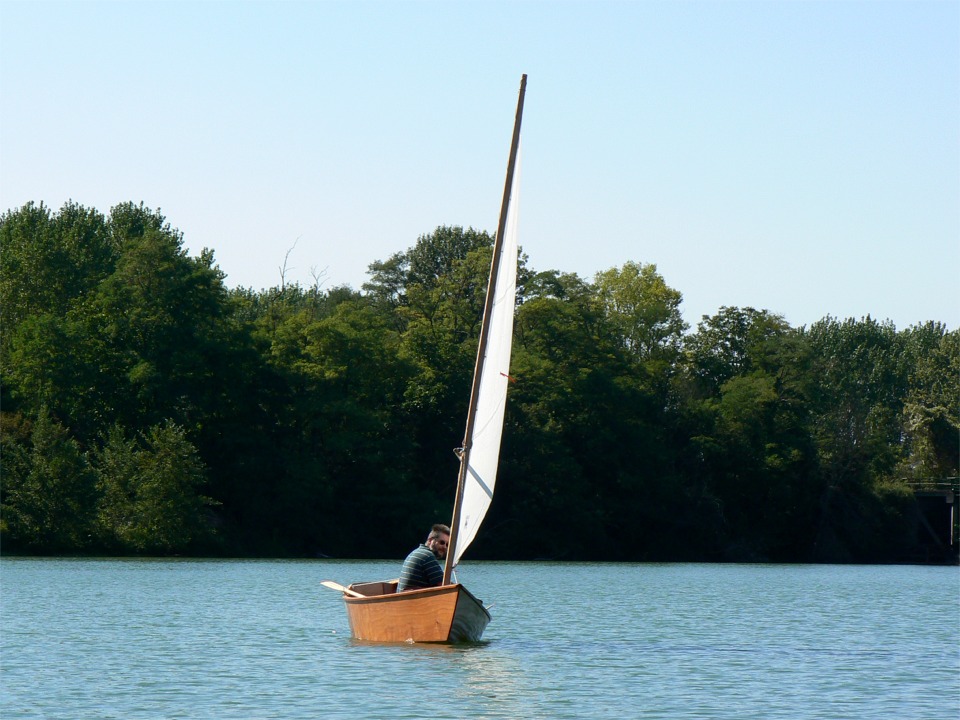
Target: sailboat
450,613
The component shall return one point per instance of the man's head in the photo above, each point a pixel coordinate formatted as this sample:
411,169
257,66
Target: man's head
438,540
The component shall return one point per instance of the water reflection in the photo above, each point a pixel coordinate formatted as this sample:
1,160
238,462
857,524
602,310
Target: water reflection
429,648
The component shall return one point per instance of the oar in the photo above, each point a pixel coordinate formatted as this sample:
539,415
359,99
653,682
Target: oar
340,588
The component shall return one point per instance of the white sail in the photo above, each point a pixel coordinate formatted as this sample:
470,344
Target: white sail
494,378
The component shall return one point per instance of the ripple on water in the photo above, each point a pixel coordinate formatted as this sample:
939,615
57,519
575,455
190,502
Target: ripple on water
170,639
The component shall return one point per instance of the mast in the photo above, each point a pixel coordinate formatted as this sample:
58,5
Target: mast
484,332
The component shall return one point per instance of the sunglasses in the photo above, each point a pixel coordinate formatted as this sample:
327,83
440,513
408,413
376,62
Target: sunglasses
438,541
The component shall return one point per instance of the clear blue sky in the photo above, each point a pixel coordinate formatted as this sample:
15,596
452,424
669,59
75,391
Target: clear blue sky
801,157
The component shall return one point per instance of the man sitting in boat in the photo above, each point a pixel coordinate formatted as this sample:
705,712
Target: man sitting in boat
422,567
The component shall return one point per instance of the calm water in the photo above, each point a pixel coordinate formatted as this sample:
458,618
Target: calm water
210,639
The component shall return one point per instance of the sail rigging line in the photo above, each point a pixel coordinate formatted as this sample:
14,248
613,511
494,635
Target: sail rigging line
484,336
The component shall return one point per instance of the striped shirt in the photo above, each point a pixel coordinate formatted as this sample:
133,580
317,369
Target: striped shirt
421,569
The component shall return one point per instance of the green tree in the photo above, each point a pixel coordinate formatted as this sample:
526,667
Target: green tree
744,399
764,469
48,264
345,454
931,417
643,309
732,343
150,335
432,258
137,345
586,418
860,381
129,221
48,261
438,310
557,348
150,492
48,493
861,377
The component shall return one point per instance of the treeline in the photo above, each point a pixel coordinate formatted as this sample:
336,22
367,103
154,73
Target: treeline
147,408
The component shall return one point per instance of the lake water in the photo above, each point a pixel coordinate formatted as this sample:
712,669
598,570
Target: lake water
130,639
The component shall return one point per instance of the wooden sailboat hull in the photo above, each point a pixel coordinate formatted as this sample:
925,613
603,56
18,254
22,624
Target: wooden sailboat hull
445,614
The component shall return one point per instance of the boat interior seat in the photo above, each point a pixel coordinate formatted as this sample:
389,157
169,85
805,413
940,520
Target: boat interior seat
371,589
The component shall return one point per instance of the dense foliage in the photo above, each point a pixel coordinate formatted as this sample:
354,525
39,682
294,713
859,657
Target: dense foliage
147,408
